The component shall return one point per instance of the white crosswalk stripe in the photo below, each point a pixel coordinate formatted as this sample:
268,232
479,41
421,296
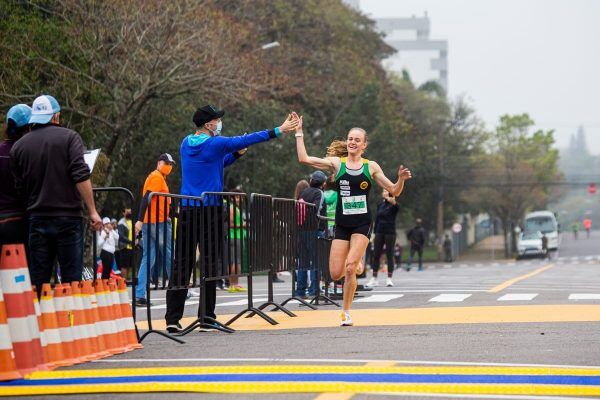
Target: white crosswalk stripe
584,296
518,297
379,298
450,297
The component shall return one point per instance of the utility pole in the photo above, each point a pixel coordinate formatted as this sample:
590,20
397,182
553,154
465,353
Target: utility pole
440,200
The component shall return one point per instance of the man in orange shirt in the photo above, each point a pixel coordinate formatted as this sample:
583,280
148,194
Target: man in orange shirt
155,217
587,224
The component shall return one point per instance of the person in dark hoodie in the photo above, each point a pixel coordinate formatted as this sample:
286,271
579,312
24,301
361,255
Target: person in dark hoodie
204,155
417,237
13,218
49,169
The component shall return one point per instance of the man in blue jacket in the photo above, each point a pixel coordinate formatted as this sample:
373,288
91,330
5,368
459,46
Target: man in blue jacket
204,155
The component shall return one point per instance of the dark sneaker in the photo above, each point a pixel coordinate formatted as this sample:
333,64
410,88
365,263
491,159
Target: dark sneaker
276,279
174,328
207,328
141,302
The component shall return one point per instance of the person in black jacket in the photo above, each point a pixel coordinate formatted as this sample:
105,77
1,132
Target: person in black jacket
416,237
124,254
49,169
385,235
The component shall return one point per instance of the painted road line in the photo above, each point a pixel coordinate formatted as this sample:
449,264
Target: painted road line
313,378
335,396
241,302
413,316
379,298
450,297
512,281
584,296
518,297
337,361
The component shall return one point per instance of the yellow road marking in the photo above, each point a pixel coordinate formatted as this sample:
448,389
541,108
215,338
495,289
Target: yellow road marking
380,364
413,316
512,281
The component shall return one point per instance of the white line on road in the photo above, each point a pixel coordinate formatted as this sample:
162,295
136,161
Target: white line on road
584,296
518,297
379,298
240,302
338,361
450,297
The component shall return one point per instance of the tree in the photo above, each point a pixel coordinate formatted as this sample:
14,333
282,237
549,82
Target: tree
515,174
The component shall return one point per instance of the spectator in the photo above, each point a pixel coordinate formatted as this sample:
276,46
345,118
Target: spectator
108,239
385,236
13,217
331,202
49,169
587,224
398,255
447,248
153,221
546,253
237,254
204,155
575,229
124,254
307,252
416,237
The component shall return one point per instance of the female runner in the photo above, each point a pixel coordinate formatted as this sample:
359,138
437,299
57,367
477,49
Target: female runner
354,177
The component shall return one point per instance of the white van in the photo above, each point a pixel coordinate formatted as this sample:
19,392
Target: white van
544,222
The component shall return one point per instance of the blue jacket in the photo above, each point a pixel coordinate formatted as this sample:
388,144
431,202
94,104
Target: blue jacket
204,157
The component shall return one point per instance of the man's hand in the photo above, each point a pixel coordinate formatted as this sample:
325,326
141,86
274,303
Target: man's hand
95,221
138,227
289,124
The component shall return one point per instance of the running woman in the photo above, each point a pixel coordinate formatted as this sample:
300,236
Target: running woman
354,177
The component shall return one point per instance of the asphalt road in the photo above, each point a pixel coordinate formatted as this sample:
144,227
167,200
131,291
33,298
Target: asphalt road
530,312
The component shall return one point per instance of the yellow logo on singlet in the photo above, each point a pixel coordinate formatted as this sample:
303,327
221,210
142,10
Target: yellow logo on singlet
364,185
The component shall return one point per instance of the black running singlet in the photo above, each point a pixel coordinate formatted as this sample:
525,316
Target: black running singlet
353,187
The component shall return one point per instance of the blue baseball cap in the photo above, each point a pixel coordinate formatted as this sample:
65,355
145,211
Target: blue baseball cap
42,109
19,113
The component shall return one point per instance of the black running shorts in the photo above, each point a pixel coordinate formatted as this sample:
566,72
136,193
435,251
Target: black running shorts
345,233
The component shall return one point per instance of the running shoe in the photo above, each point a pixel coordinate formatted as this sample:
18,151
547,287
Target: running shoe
240,288
372,283
232,289
174,328
389,282
346,320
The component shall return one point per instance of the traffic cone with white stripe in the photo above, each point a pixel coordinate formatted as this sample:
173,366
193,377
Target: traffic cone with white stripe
8,366
91,310
20,311
43,339
111,335
82,330
54,344
117,315
63,318
127,316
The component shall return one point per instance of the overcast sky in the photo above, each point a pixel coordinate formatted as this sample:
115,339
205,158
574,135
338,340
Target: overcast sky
512,56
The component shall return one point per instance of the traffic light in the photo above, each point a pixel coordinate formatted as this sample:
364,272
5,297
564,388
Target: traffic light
592,188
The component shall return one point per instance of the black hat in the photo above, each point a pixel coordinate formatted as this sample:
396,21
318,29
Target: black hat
206,114
166,157
318,177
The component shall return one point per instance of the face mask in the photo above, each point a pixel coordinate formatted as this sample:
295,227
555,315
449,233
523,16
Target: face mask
217,130
165,169
128,215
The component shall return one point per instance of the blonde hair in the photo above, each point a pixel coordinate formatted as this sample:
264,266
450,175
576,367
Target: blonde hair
338,147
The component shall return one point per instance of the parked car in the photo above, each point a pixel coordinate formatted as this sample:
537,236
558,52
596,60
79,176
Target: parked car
530,244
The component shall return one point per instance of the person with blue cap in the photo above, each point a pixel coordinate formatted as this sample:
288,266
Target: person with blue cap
13,221
50,171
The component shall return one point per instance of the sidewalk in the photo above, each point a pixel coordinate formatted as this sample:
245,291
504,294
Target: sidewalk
490,248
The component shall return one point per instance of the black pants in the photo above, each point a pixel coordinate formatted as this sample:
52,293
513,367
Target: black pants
390,241
14,231
419,251
191,233
108,260
51,239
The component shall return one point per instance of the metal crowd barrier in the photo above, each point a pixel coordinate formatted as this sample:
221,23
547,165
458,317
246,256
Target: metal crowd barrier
193,242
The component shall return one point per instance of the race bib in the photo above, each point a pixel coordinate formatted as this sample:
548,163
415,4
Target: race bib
354,205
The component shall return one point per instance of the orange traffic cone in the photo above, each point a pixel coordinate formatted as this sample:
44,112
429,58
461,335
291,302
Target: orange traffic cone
116,311
127,316
63,318
91,312
8,367
20,311
83,332
43,339
54,344
111,334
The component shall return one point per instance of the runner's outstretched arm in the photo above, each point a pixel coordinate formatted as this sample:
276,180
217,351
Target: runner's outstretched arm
331,164
394,189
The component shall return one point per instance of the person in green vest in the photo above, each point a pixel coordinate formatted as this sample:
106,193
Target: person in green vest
331,203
